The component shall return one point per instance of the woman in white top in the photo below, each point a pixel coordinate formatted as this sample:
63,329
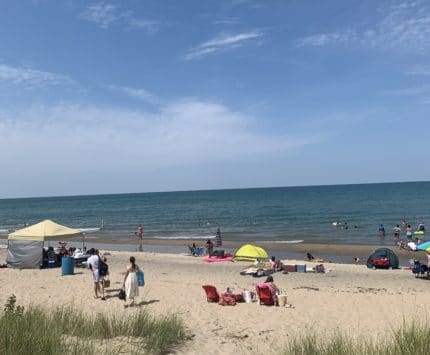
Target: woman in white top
130,281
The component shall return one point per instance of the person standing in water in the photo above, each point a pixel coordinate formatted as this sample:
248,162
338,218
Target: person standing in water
381,231
396,231
139,233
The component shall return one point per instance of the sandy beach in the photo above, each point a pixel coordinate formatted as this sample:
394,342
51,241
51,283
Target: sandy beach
349,298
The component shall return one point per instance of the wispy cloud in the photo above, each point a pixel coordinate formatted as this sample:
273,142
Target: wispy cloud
419,70
227,21
411,91
102,14
323,39
405,25
31,78
184,131
105,14
140,94
221,43
149,26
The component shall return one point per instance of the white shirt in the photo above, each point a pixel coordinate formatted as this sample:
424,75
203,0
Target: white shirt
93,260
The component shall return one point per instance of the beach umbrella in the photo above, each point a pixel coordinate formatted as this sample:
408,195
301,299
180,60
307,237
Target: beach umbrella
424,246
251,253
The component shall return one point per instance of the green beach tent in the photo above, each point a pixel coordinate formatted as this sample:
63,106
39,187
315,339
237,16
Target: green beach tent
250,252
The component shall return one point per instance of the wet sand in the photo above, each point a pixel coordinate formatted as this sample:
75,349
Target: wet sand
339,253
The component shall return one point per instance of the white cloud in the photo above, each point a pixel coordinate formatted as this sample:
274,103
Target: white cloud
140,94
102,14
405,25
149,26
221,43
105,14
323,39
419,70
186,132
31,78
412,91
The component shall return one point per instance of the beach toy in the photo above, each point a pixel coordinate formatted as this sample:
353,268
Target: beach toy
419,233
67,266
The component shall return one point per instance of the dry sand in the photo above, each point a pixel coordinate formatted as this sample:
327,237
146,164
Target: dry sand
350,298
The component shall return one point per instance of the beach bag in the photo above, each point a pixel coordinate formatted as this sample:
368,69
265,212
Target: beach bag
121,294
227,300
106,282
103,268
140,278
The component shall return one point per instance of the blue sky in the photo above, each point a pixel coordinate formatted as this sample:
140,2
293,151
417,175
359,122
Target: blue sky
135,96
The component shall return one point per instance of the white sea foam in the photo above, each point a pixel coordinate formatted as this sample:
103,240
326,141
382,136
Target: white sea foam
183,237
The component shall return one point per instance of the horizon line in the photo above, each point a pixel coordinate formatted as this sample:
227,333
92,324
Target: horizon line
209,189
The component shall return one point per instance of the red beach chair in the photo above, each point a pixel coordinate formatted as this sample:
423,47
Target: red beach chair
211,293
264,294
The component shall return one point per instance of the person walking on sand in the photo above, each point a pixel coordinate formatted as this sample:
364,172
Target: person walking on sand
130,284
93,265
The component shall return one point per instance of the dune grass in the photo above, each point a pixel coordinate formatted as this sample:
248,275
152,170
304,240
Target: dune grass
409,339
65,331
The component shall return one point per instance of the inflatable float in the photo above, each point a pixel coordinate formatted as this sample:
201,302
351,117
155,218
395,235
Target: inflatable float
419,233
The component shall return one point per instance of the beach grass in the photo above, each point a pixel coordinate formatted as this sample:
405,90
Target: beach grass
64,330
409,339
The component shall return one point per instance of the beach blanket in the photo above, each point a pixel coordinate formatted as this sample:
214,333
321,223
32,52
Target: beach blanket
214,260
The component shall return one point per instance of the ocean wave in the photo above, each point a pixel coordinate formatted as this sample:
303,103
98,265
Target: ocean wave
182,237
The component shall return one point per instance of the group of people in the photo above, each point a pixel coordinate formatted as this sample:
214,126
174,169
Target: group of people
130,282
409,231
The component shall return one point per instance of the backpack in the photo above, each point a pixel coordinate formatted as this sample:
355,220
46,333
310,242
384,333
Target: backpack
103,268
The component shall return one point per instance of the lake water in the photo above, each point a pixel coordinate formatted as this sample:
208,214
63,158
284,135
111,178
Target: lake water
284,214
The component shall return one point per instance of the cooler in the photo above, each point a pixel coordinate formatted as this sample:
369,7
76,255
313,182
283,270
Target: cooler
67,266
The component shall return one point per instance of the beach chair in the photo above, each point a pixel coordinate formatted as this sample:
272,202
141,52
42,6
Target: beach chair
200,251
265,295
211,293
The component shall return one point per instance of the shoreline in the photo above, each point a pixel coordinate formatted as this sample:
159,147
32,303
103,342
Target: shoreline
337,253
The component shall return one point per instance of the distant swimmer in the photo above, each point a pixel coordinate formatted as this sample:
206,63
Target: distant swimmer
381,231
